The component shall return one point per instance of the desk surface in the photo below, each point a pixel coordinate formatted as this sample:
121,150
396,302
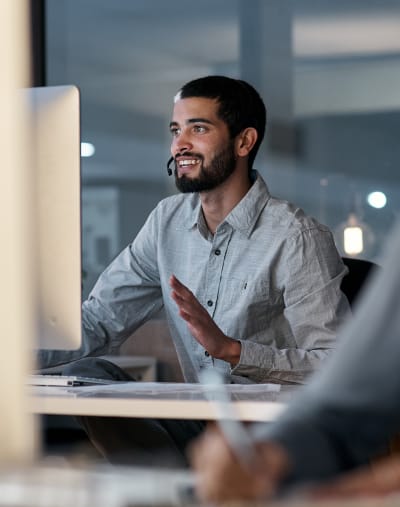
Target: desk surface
259,402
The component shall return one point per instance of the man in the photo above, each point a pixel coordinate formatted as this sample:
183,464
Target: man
342,421
250,285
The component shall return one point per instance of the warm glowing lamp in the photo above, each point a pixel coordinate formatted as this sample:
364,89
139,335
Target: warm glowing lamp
353,236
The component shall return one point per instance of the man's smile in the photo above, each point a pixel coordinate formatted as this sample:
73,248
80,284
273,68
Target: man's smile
185,165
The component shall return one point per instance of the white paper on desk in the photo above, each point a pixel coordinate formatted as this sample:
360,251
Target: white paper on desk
172,390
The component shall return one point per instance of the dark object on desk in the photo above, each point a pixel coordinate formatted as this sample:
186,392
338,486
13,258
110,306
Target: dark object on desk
359,271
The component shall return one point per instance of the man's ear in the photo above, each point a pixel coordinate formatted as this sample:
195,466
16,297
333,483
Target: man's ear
245,141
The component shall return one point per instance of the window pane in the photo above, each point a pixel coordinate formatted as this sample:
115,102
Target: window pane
328,72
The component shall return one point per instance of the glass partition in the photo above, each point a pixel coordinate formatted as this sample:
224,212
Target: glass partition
329,74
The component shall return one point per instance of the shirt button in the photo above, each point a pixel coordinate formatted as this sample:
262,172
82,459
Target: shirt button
206,353
209,302
217,251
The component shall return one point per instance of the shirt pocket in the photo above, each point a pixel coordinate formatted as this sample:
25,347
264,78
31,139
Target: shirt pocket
249,309
243,293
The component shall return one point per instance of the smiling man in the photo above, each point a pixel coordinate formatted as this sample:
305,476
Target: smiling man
210,135
250,284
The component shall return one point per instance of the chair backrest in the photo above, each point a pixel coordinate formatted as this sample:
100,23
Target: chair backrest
359,271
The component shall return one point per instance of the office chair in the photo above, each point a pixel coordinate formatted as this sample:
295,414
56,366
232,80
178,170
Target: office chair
359,271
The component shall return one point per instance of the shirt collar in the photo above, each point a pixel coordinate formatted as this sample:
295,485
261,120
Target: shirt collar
244,215
194,214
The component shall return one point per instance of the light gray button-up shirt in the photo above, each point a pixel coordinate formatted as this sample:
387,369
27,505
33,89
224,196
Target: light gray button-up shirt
269,277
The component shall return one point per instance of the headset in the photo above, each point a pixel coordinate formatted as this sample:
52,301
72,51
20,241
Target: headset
169,170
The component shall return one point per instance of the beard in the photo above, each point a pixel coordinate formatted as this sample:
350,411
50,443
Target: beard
211,176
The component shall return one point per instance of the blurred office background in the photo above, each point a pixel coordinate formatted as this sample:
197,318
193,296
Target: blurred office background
329,72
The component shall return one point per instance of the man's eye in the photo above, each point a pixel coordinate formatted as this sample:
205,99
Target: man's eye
199,128
174,131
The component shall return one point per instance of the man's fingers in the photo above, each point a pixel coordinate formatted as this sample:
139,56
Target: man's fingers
188,304
179,288
177,297
186,307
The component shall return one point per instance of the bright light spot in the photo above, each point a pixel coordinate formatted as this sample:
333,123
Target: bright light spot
353,240
377,199
87,149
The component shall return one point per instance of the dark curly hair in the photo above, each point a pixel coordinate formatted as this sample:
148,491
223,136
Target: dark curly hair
240,105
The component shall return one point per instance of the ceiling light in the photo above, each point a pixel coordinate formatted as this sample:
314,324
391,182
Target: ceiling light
87,149
377,199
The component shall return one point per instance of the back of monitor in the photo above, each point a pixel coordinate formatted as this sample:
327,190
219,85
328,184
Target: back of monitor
54,113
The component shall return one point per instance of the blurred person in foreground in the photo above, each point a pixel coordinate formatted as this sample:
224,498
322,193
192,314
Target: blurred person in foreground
331,439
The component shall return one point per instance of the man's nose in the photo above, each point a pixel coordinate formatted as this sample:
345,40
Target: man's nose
181,144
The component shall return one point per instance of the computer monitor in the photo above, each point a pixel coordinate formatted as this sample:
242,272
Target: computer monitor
54,113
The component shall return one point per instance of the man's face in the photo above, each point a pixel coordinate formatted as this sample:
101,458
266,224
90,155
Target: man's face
203,151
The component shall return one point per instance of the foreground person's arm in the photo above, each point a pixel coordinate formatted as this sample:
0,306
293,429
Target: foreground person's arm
375,480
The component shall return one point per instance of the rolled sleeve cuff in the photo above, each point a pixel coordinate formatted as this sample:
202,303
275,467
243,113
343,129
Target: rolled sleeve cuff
255,362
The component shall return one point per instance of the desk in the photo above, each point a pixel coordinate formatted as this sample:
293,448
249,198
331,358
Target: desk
259,402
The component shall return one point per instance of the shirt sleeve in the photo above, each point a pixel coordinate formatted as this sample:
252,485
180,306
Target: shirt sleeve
310,270
130,282
350,410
